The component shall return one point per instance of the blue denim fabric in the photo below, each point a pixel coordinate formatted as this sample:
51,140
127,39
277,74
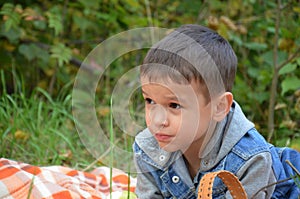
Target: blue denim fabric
282,170
250,145
164,175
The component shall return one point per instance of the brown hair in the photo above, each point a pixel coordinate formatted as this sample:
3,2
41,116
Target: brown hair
196,53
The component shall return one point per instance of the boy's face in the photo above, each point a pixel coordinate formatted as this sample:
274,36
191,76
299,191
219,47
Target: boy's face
177,115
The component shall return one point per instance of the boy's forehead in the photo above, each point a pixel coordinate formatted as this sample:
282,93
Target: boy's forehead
163,82
168,82
180,90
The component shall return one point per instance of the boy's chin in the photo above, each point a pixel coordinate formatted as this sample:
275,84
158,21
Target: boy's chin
169,147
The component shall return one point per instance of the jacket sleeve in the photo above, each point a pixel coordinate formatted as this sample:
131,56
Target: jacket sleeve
146,186
256,174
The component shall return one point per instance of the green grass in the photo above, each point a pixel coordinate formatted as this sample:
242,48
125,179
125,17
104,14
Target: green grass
39,130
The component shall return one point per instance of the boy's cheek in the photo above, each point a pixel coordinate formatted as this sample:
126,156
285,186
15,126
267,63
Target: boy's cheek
190,117
148,122
147,119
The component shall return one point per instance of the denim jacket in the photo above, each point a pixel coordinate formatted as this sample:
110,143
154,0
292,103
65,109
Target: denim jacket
237,147
287,189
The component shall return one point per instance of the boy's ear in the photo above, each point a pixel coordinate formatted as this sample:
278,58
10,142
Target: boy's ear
222,106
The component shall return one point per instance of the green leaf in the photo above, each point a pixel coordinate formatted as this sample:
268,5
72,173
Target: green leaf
282,56
55,20
39,24
62,53
7,8
82,23
298,61
268,57
138,21
288,68
12,18
133,3
43,55
271,29
253,72
32,51
290,83
236,39
12,34
25,50
89,4
255,46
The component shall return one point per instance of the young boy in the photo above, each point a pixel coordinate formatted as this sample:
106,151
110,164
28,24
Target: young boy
193,124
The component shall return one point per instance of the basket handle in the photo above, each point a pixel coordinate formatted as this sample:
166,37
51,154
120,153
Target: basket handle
230,180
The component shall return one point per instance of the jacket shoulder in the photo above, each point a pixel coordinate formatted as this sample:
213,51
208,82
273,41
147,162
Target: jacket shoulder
252,143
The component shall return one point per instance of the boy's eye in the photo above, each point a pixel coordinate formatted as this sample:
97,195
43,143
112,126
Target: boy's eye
174,106
149,101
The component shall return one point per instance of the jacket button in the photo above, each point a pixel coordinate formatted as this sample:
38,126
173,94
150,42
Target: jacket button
162,158
205,162
175,179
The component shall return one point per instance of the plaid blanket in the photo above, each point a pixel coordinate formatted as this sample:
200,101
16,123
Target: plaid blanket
21,180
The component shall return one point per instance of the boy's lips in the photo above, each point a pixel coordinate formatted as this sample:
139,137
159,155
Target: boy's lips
163,137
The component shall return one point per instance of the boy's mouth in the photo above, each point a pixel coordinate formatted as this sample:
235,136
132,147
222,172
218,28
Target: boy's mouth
163,137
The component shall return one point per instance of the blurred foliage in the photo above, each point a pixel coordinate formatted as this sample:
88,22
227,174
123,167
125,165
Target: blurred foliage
44,43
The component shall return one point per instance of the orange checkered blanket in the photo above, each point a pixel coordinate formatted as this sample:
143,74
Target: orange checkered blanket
21,180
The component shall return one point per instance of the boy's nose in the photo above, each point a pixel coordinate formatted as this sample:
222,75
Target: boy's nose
159,117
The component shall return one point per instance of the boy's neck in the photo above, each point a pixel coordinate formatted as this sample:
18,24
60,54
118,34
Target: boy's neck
191,156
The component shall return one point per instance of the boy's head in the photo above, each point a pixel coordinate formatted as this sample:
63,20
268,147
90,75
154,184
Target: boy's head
186,82
193,52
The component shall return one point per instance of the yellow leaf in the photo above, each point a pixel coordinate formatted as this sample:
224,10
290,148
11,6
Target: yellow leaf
297,105
297,93
21,135
286,44
242,29
43,84
9,47
18,9
289,124
49,72
295,144
103,111
228,22
213,22
280,106
67,155
296,9
223,31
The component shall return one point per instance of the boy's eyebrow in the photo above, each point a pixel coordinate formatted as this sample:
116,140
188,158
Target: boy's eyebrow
170,97
144,92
